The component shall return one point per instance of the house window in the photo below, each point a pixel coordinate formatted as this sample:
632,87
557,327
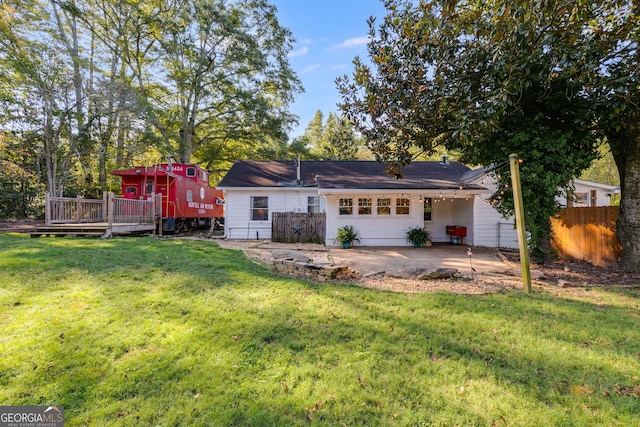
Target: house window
384,206
428,209
581,199
364,206
259,208
402,206
345,206
313,204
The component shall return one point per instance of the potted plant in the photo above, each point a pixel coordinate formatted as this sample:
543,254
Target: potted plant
418,236
347,235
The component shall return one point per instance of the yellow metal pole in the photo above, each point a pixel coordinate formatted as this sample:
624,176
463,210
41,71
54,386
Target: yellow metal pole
519,210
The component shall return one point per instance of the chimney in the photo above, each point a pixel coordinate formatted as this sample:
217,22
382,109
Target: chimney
445,159
298,169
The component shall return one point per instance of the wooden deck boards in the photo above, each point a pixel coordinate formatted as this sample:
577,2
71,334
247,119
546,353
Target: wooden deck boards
98,229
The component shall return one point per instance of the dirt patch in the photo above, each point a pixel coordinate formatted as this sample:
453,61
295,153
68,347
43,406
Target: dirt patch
262,253
562,274
570,273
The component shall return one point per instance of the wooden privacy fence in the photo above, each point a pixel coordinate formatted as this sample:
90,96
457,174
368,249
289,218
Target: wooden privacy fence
587,234
293,227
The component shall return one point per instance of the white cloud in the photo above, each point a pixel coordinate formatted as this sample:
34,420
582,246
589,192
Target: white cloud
300,52
353,42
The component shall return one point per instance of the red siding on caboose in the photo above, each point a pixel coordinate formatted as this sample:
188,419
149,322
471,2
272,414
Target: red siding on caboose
185,189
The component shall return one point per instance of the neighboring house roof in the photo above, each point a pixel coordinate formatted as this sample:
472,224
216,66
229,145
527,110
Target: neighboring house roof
605,187
344,175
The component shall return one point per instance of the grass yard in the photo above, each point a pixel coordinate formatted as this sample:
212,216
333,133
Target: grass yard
168,332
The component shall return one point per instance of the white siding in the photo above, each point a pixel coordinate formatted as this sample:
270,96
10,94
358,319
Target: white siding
485,226
238,224
491,229
390,230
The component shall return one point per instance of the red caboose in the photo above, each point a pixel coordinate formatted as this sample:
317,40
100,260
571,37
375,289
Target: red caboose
188,201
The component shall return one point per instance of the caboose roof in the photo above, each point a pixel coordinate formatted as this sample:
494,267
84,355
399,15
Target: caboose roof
155,170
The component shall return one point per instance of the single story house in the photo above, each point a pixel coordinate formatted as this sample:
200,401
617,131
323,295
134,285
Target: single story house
589,194
360,193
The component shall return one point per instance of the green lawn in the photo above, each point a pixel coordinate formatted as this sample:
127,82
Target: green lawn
145,331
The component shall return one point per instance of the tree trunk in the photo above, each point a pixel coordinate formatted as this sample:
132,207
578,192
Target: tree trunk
626,149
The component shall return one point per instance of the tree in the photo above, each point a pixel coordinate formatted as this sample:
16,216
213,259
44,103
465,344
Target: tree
333,140
20,183
603,169
464,75
222,74
339,141
105,82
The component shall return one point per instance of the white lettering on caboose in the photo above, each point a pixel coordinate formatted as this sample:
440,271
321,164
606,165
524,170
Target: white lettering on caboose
196,205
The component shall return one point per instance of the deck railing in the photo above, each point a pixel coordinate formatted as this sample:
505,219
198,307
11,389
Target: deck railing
111,209
61,210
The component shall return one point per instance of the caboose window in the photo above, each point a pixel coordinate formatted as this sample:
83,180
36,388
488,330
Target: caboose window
191,171
259,208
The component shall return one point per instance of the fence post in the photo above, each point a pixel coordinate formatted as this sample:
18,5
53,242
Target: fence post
79,209
110,208
47,207
104,206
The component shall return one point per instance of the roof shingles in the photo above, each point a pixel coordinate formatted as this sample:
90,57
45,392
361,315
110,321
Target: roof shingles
343,174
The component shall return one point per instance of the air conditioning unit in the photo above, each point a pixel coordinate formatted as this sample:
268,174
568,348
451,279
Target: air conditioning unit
298,209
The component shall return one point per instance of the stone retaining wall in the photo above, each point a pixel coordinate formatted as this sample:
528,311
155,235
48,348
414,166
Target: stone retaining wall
315,272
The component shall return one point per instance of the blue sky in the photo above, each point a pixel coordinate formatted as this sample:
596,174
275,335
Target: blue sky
329,35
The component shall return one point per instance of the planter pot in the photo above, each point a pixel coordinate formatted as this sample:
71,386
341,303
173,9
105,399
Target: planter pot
346,245
416,245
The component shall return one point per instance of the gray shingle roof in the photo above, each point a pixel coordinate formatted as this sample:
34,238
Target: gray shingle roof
344,174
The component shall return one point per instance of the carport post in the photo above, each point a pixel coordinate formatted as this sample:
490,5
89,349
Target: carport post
519,211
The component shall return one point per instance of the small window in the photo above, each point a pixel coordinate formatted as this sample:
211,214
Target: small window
346,206
313,204
364,206
384,206
189,196
191,171
259,208
149,188
428,208
131,191
581,199
402,206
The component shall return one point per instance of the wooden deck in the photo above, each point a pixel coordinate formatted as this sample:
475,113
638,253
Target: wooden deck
100,218
98,229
